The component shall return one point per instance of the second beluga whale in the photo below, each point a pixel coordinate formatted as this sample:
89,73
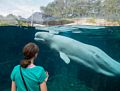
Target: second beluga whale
87,55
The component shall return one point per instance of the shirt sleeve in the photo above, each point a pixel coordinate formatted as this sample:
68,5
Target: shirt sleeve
43,76
12,76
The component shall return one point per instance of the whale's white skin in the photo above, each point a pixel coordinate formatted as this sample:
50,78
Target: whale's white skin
88,55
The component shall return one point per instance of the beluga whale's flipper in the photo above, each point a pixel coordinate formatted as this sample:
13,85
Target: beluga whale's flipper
64,57
87,55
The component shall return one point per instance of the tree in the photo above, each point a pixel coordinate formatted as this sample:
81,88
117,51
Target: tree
109,9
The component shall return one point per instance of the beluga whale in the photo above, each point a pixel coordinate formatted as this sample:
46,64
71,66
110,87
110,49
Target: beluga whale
85,54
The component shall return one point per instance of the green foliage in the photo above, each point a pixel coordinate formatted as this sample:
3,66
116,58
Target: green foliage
108,9
111,9
6,23
57,22
22,23
14,23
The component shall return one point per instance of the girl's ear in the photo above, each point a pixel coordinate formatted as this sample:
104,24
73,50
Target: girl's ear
36,55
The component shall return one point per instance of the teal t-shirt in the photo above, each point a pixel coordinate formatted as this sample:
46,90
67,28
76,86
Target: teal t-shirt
33,77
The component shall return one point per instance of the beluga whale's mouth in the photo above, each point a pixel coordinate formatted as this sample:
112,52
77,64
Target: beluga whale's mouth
38,38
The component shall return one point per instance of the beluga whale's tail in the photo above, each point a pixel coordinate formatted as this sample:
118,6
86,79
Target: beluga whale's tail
87,55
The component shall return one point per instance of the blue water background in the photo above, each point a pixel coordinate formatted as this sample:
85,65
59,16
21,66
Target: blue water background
63,77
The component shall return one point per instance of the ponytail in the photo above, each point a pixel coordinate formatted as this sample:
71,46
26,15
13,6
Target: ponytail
24,63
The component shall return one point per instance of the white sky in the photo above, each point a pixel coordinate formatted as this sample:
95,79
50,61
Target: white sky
23,8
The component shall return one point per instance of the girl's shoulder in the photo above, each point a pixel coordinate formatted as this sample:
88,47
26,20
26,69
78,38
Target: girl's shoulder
16,67
39,68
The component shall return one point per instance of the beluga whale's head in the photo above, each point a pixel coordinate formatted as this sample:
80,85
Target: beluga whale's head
43,36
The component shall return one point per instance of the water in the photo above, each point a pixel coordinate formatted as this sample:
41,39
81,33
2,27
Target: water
66,28
63,77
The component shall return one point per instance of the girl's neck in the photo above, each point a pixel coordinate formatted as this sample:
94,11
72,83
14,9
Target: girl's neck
32,60
32,64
